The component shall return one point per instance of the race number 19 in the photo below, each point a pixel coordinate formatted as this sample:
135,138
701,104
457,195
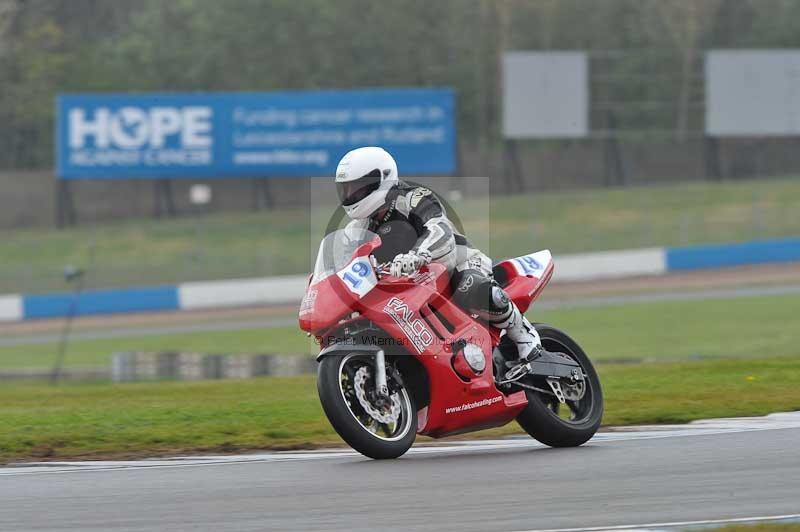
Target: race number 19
361,270
358,276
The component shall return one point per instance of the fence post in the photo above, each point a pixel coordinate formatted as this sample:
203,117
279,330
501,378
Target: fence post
123,367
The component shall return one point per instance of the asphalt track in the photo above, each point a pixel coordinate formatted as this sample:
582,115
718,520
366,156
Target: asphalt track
645,478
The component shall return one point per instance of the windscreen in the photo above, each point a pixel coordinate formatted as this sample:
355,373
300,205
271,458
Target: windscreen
336,250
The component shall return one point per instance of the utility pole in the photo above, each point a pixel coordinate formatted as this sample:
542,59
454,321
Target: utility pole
71,275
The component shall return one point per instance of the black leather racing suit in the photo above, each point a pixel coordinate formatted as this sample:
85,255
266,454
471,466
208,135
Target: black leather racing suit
473,285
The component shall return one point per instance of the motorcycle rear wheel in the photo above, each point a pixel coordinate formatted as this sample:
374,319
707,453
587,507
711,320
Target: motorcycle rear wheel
543,418
336,384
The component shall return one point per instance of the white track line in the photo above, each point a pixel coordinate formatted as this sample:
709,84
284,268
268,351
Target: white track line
674,524
788,420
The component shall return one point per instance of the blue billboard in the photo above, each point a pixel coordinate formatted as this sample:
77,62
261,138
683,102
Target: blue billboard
282,134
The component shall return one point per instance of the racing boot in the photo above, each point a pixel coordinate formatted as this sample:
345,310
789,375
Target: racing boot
520,331
524,336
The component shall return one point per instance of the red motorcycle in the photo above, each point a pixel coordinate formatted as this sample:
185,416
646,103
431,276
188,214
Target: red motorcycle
398,358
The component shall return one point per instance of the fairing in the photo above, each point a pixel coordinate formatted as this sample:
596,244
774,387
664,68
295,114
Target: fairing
523,278
417,312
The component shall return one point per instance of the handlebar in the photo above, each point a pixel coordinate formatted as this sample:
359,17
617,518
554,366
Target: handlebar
381,268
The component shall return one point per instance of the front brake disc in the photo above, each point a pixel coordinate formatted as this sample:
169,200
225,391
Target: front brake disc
360,382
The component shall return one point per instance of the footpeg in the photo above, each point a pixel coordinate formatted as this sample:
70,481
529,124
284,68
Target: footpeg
516,373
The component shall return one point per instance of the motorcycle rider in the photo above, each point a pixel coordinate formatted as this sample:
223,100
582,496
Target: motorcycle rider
372,195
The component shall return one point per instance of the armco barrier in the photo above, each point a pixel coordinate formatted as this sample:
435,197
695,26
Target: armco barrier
11,308
727,255
101,302
289,289
240,292
610,264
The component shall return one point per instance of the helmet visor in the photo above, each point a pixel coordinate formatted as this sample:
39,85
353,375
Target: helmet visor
351,192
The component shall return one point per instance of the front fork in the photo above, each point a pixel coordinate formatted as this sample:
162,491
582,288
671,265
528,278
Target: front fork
380,374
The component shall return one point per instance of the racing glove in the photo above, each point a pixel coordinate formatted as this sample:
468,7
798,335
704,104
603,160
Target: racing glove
408,263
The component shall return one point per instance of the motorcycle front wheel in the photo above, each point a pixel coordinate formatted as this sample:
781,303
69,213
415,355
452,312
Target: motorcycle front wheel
376,428
548,420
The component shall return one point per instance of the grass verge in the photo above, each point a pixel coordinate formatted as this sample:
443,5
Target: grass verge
102,420
740,327
229,245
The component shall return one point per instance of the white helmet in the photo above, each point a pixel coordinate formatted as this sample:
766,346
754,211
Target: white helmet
363,178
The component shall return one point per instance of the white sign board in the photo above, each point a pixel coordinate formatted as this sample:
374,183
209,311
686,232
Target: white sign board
752,92
545,95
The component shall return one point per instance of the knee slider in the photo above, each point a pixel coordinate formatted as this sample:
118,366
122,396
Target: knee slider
499,299
493,303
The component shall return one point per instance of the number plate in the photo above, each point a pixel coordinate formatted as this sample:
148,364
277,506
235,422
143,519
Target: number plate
358,276
534,264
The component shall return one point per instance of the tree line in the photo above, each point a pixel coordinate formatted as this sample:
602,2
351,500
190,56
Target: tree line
646,51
